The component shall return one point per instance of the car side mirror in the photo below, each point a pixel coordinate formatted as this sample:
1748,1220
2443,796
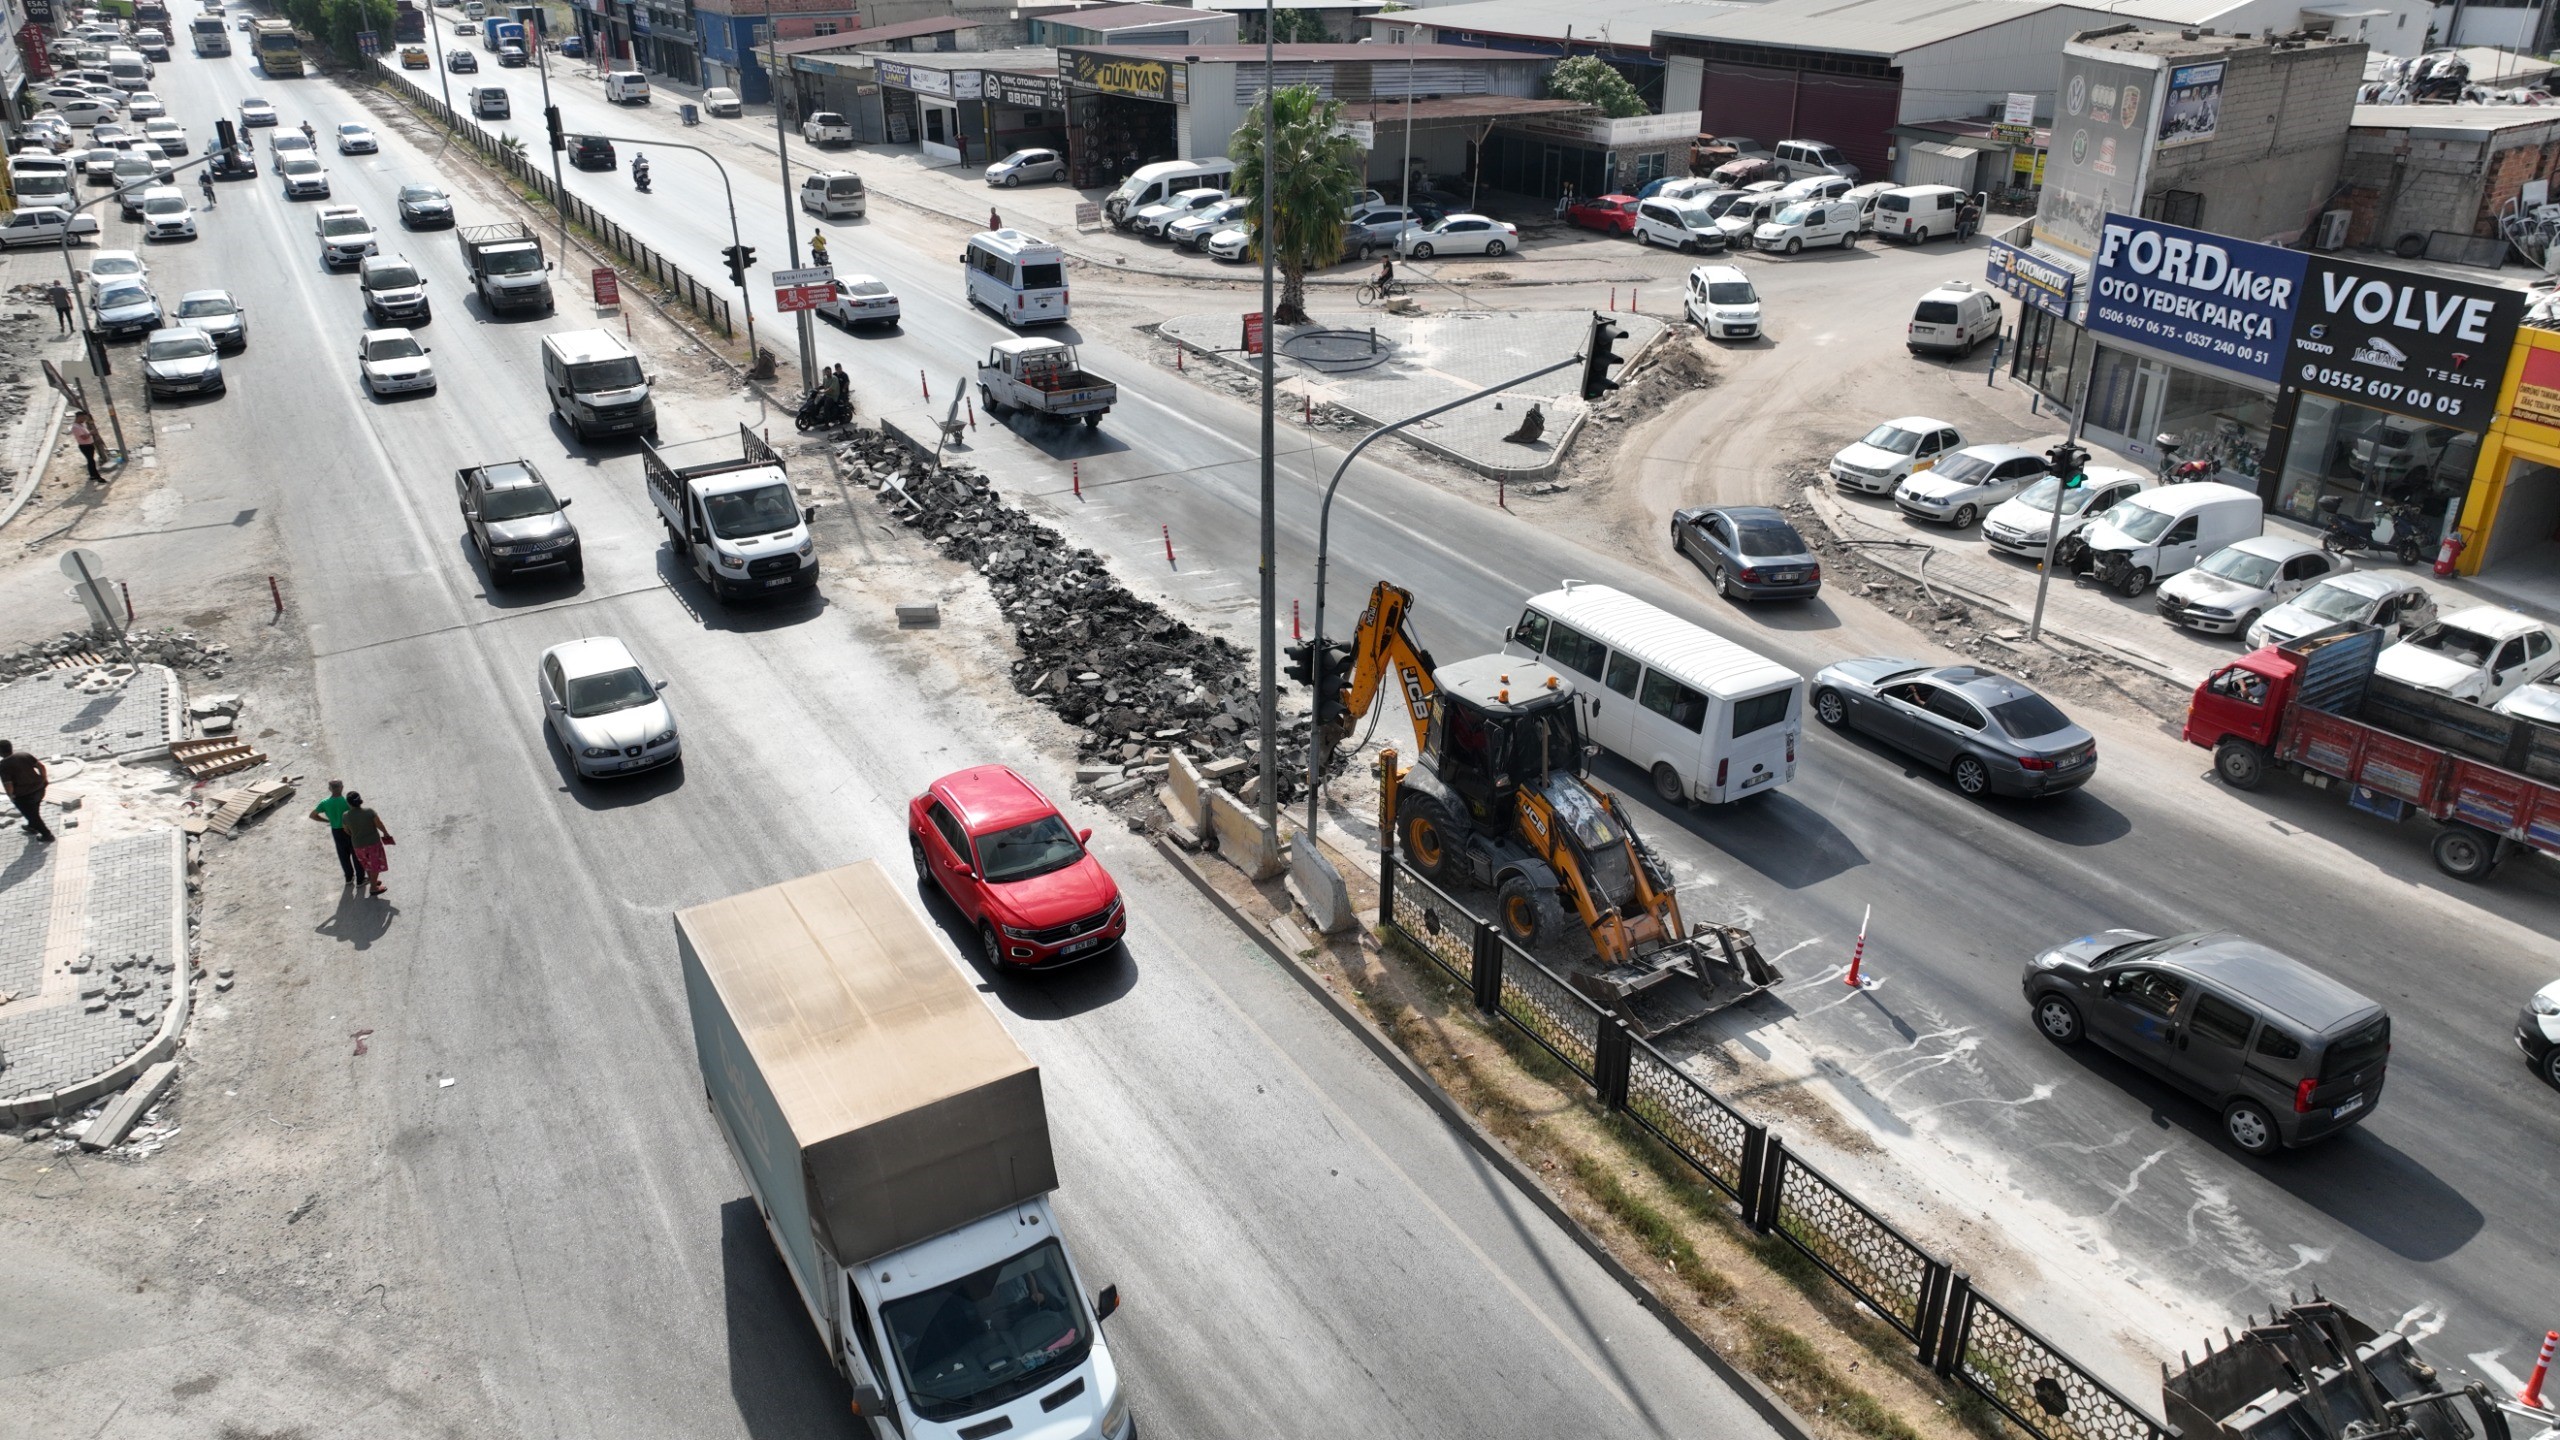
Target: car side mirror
867,1400
426,349
558,709
808,514
572,500
1106,1304
662,684
697,536
1084,837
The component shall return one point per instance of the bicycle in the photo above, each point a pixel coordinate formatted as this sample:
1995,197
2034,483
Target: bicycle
1373,293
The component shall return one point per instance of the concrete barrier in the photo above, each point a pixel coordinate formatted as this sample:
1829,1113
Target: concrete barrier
1240,837
1317,887
1186,795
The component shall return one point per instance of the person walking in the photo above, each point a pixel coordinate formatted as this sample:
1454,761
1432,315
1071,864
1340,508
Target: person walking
332,812
367,833
84,433
24,777
60,295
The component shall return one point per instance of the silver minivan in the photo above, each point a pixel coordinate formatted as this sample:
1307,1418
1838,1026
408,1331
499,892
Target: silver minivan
2286,1054
833,195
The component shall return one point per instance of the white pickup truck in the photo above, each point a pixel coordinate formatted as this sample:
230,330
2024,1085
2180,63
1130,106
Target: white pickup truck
1041,377
732,517
827,128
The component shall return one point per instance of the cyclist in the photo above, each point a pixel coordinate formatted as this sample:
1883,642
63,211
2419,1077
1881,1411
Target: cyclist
1387,276
204,182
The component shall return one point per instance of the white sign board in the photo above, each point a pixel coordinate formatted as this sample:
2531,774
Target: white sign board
813,275
2021,110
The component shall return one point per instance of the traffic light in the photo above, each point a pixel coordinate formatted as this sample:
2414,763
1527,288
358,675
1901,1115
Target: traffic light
1302,660
1599,355
741,258
2068,463
551,118
1333,673
225,136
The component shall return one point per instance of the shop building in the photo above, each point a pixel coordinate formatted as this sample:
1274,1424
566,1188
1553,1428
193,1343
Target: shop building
731,36
2431,179
2511,523
1137,25
1557,29
1985,155
972,108
663,41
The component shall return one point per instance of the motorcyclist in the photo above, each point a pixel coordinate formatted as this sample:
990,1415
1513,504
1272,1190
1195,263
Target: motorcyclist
818,249
310,134
640,170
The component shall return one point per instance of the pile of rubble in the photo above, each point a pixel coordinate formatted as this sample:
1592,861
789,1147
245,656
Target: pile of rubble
1137,681
177,649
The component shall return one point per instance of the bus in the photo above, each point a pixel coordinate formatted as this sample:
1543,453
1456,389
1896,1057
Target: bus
279,49
1022,278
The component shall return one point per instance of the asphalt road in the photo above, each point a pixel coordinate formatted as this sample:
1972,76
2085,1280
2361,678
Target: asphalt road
1296,1234
2426,1208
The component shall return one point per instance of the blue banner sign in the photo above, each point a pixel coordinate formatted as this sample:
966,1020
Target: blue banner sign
2209,299
2031,277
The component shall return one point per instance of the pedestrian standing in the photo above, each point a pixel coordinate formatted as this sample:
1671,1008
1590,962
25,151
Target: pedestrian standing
84,433
60,295
24,777
367,833
994,220
840,385
332,811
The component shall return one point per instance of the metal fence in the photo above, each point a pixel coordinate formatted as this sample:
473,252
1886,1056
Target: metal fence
1960,1335
517,162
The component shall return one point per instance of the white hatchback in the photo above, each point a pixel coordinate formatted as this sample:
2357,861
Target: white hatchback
604,713
2481,654
2361,597
1722,302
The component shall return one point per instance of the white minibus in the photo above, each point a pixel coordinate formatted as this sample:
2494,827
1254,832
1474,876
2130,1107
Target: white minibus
1022,278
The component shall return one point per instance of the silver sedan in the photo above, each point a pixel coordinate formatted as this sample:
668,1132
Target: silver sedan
1989,733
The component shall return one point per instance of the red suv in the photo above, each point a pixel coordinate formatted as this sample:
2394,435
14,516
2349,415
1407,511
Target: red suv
1609,214
993,843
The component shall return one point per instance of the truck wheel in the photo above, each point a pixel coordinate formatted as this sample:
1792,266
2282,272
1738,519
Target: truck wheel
1666,784
2466,852
1530,913
1431,842
988,396
2240,764
1093,421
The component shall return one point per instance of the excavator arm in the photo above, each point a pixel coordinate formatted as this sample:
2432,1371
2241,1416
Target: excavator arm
1381,652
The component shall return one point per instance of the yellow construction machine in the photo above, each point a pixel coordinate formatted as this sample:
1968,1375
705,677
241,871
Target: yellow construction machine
1498,799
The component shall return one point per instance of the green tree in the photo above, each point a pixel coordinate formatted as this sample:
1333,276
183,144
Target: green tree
1297,27
1594,81
1315,172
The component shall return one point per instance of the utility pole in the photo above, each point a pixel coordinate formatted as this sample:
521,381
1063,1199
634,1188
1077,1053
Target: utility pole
2077,462
530,17
1404,187
1270,460
444,74
790,203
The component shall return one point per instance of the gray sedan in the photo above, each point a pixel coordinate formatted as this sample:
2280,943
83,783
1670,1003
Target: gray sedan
216,314
1749,552
1990,734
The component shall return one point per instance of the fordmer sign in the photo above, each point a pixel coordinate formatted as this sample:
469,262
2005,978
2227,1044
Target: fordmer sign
2208,300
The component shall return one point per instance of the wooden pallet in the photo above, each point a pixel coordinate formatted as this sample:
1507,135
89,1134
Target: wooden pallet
238,807
205,759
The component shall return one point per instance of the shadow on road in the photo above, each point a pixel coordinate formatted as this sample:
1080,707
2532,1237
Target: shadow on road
1774,834
359,921
1059,994
779,1374
610,792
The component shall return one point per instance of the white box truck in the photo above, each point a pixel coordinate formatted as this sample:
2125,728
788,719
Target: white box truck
894,1138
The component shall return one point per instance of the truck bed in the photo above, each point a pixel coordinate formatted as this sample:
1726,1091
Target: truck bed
2441,782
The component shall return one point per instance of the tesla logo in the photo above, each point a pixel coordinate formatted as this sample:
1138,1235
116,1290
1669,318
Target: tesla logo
2460,360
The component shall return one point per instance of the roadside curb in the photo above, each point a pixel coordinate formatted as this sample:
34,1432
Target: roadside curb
1780,1416
1836,521
35,474
173,1020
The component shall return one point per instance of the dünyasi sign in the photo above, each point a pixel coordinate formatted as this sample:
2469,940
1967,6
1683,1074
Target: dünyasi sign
2395,340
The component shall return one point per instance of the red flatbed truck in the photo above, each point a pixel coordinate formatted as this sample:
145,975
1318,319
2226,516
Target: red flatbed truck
2314,706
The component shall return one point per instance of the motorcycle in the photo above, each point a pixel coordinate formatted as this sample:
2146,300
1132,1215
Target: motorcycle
2393,530
2174,471
640,175
820,411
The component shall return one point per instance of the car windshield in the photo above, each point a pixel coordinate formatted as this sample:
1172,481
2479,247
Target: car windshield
1695,217
2029,716
416,193
1794,214
115,296
393,347
2041,496
164,205
177,347
986,1338
352,130
2133,950
1767,537
512,262
390,277
300,165
1893,438
517,503
2468,646
1725,204
344,225
619,373
208,305
1732,292
107,265
622,689
2332,601
2137,520
253,104
2255,571
741,514
1964,468
1037,848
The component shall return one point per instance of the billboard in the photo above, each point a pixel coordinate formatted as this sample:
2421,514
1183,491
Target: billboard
2201,299
2033,278
2191,107
2104,123
2401,341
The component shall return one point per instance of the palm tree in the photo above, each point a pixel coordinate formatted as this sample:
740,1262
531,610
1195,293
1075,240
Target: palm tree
1315,175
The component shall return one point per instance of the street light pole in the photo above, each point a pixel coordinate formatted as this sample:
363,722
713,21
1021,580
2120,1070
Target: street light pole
1270,461
790,202
1324,534
746,300
530,16
444,74
2053,533
89,342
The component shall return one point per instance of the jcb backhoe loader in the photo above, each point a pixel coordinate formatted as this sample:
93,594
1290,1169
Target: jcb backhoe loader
1497,798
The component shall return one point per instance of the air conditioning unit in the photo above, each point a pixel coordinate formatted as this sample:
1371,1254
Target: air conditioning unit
2333,230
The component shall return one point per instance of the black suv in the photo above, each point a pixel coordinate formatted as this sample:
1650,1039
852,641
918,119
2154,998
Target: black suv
590,152
516,523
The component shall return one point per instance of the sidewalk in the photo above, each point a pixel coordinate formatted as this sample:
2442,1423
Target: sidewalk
1381,368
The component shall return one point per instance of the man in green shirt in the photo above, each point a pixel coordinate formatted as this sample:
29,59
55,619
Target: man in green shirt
333,811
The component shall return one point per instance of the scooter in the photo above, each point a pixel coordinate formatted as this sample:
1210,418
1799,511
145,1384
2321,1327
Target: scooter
640,175
819,411
2174,471
2392,531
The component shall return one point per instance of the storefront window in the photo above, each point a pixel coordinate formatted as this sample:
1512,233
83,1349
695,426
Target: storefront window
2048,354
2351,460
2135,401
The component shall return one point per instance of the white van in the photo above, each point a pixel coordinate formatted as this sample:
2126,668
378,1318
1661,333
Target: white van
1918,213
1149,184
2165,531
1952,319
1865,198
489,102
833,195
626,87
1683,225
596,384
1022,278
1800,223
127,70
1709,720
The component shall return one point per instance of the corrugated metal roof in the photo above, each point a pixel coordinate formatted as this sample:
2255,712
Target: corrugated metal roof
877,34
1128,17
1863,27
1630,24
1303,54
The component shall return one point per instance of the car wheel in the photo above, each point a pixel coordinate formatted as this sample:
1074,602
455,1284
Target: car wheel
1830,707
1724,582
990,946
1688,247
2464,852
2134,581
1642,239
2247,622
1972,777
924,868
2241,765
2550,1066
2251,1128
1422,251
2058,1019
1666,784
1795,245
1530,913
1012,180
1965,516
1495,248
568,756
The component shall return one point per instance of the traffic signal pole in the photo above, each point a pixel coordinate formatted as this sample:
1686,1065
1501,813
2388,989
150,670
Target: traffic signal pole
2078,465
746,297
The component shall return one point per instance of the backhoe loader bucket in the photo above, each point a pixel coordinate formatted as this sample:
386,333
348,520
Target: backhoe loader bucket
1666,988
